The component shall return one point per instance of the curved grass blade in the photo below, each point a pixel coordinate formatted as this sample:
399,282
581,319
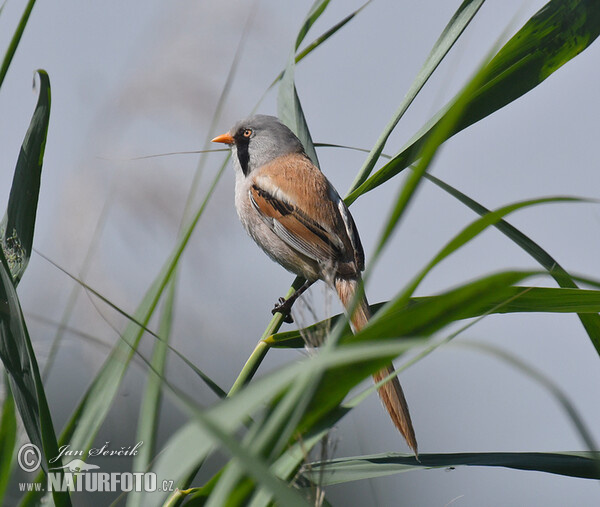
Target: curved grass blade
270,436
338,471
253,465
318,7
590,322
17,226
555,34
25,382
453,30
463,237
14,43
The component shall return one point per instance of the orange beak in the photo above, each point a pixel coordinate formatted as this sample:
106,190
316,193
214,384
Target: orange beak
224,138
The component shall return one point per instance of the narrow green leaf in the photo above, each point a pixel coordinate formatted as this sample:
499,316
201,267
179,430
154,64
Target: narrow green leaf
271,435
286,465
318,7
453,30
16,228
338,471
427,152
470,232
151,402
323,37
590,322
25,382
315,44
337,382
14,43
89,415
557,33
179,457
8,438
254,465
288,103
520,299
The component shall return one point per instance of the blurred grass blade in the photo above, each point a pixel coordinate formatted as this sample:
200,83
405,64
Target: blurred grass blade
151,402
17,226
286,465
14,43
8,438
179,457
557,33
453,30
530,299
25,382
338,471
89,415
252,463
209,382
270,436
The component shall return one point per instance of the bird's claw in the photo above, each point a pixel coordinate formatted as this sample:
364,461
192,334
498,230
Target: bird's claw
284,306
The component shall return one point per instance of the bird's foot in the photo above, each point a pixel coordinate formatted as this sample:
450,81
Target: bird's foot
284,306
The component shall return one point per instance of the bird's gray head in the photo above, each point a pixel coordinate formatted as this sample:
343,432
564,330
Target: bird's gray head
258,140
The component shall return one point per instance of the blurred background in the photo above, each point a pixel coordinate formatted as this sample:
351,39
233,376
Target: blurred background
136,78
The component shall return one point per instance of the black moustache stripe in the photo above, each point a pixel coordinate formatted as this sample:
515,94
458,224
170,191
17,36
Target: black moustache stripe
243,155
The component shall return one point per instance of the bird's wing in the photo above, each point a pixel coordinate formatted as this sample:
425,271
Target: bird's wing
295,227
350,228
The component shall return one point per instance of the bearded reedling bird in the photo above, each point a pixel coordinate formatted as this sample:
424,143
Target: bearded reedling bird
294,214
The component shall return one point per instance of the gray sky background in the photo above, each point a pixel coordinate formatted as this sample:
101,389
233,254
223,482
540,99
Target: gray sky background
137,78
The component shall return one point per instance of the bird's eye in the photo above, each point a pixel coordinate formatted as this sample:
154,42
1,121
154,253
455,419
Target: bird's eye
247,132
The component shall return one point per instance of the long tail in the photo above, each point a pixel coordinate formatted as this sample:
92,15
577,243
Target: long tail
391,393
